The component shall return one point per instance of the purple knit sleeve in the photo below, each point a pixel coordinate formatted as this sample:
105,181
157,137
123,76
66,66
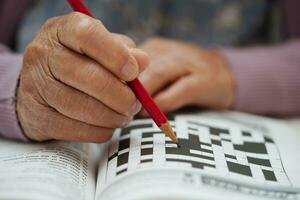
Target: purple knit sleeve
10,66
267,79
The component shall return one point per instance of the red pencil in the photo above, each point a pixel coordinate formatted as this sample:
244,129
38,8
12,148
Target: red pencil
143,96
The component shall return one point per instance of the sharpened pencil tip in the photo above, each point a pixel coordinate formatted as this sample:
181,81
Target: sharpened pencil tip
168,130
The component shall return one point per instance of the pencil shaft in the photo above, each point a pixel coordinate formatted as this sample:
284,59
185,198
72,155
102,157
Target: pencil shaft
147,102
78,6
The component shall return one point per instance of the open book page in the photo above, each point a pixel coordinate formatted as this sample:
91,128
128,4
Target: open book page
50,171
232,154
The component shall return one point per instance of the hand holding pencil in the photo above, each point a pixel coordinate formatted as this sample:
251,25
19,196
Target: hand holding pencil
71,85
139,90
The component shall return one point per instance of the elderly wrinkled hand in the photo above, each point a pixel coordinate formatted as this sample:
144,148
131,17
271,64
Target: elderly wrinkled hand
72,81
182,74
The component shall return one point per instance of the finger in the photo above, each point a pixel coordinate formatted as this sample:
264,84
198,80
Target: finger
160,73
64,128
80,106
175,96
155,47
88,36
125,40
141,57
91,78
46,123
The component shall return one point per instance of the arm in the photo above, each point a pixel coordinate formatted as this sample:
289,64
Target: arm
267,78
10,66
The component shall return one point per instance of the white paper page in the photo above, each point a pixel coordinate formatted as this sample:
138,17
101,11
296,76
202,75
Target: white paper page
50,171
231,154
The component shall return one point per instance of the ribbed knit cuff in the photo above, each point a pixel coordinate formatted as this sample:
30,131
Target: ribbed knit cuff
9,126
267,79
10,67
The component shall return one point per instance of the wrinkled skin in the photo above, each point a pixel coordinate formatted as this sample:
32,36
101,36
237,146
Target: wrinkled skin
72,81
182,74
72,84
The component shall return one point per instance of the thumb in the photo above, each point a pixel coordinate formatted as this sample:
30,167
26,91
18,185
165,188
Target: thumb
141,57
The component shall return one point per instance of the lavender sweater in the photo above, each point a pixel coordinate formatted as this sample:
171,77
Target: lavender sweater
267,78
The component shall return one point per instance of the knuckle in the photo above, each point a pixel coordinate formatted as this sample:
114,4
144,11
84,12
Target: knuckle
50,23
35,49
105,83
120,58
76,16
35,57
85,27
94,73
35,79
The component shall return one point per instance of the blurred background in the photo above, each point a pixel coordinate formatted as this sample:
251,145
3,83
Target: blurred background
206,22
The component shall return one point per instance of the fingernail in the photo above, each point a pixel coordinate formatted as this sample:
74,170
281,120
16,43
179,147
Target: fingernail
136,108
130,70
